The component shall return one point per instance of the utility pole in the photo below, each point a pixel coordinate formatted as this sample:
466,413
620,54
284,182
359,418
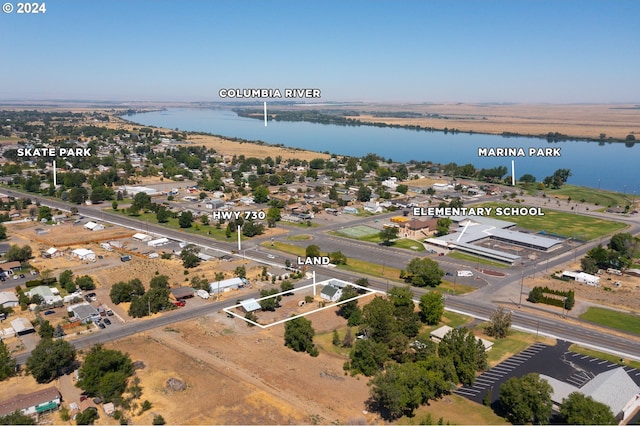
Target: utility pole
521,284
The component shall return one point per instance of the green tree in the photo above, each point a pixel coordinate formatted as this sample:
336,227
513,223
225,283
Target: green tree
114,205
104,373
499,324
261,194
50,359
273,216
186,219
298,335
402,188
3,232
158,420
442,226
578,409
85,282
312,251
285,286
465,351
270,303
46,330
367,357
364,194
66,280
423,272
44,212
407,320
589,265
17,418
337,258
87,417
378,320
189,256
159,281
388,234
21,254
162,215
7,364
124,291
347,309
78,195
526,399
431,307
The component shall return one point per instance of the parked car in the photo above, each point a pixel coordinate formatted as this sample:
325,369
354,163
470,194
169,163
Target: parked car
101,325
179,303
109,312
15,277
107,321
83,397
21,275
49,312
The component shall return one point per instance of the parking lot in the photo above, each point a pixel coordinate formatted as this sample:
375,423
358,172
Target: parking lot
554,361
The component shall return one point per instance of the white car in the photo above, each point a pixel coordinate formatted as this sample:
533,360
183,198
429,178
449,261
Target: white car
270,256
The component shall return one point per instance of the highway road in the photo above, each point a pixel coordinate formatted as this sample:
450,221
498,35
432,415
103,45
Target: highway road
475,304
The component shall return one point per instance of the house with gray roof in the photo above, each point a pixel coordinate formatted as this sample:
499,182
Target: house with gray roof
614,388
84,312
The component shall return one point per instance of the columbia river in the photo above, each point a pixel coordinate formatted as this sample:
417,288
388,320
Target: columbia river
611,166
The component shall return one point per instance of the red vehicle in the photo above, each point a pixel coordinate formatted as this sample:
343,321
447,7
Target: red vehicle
179,303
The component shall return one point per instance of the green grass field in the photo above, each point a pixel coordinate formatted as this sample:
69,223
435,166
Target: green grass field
614,319
300,237
590,195
372,235
560,223
476,259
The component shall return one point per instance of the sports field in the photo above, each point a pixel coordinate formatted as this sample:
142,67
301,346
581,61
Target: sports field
568,225
358,232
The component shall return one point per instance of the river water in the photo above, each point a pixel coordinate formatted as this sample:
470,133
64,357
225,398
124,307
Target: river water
612,166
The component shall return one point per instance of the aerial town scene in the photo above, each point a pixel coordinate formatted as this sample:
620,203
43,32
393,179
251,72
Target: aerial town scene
238,212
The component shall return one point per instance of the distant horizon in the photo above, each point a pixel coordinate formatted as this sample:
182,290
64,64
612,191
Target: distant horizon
26,101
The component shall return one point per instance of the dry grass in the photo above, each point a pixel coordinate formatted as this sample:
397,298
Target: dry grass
575,120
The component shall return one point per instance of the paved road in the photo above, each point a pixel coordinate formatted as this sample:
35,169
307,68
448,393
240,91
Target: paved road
476,304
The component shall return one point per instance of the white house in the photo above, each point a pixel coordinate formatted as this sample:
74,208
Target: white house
41,401
49,295
225,285
84,254
93,226
331,293
372,207
8,299
583,277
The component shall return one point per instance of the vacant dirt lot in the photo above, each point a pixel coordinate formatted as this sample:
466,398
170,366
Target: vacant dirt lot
624,297
237,374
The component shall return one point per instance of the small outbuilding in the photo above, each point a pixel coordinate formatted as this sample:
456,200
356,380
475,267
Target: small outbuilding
181,293
22,326
250,305
225,285
93,226
84,254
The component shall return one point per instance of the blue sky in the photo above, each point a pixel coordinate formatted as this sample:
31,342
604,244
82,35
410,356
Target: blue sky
392,51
